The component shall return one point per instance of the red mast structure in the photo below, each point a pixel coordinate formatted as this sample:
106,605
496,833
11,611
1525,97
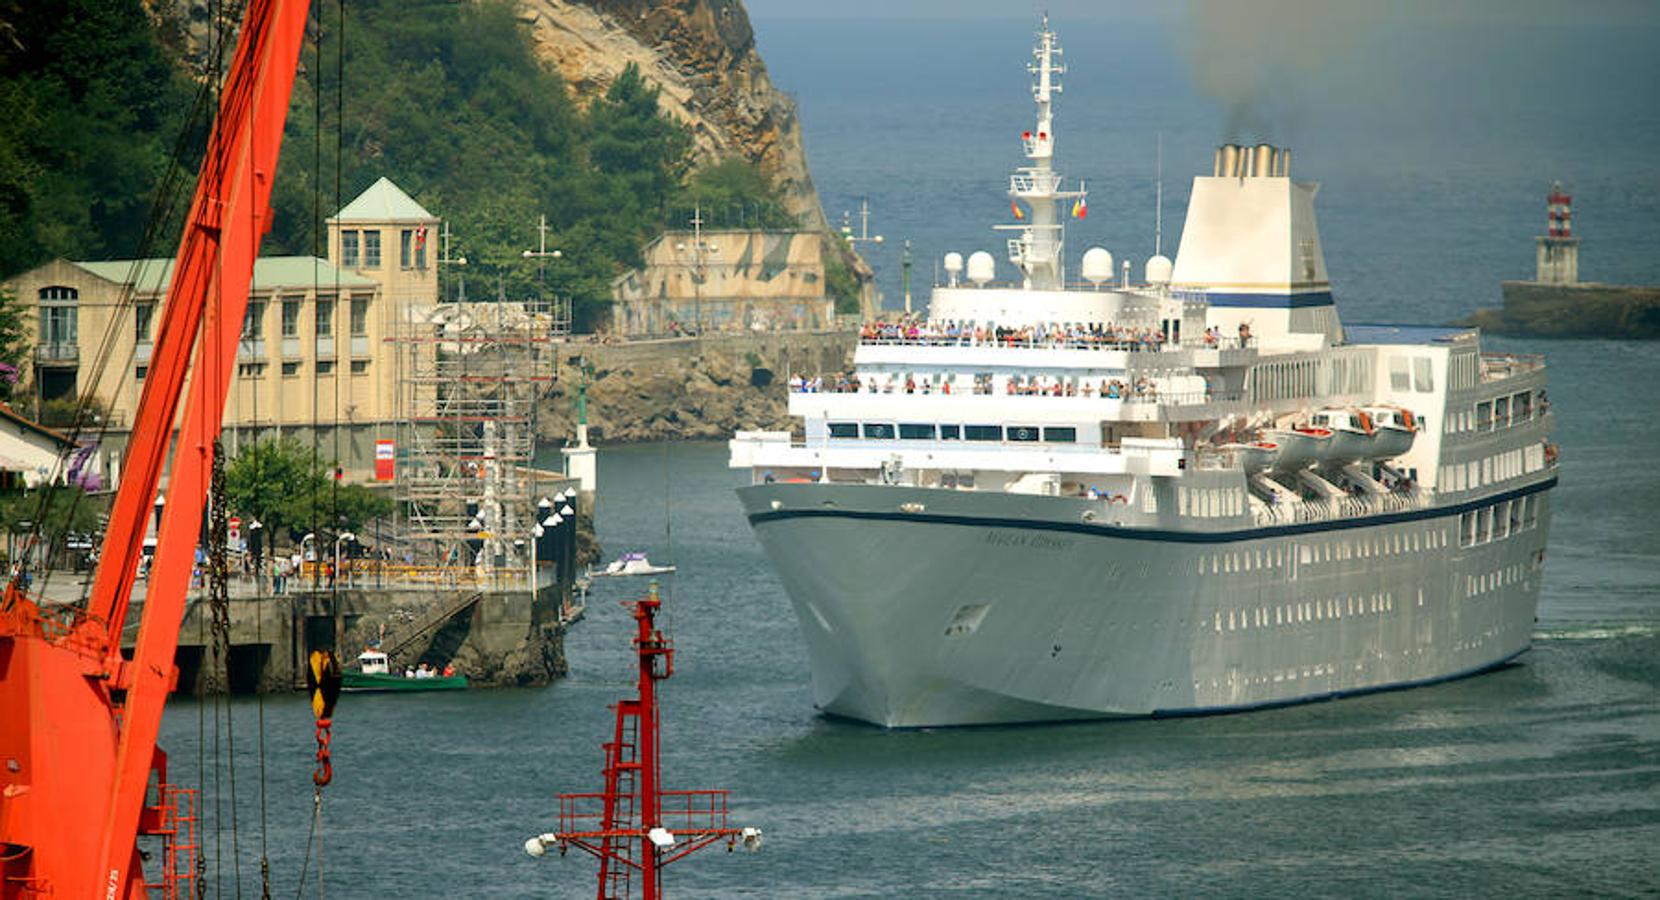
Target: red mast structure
635,827
78,746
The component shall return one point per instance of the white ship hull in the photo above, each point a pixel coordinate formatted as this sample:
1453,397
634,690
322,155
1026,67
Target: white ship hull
995,609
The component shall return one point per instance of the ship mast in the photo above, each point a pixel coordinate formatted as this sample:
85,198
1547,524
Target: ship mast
1038,249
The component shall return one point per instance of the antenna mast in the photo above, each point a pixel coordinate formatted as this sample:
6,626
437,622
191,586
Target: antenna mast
1038,249
1158,201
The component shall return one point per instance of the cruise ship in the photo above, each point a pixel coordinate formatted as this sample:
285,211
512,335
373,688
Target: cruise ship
1193,492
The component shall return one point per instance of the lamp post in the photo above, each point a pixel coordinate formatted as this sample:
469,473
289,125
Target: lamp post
864,236
445,259
311,557
343,536
698,248
542,254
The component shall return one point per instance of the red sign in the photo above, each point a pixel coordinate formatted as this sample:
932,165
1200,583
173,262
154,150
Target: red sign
385,460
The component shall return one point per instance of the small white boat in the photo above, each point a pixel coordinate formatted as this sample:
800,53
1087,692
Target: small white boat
1299,447
630,564
1397,429
1255,456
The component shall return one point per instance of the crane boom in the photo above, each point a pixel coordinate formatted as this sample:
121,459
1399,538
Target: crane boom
78,756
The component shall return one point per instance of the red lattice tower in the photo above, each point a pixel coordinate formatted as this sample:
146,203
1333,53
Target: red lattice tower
634,827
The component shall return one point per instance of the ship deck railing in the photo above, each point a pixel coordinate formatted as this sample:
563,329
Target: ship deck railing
1352,507
1130,395
1103,345
1499,366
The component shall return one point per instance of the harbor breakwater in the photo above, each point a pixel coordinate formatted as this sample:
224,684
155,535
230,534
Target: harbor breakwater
688,388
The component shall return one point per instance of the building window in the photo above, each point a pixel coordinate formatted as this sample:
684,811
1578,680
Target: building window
290,318
349,255
371,249
58,319
325,317
360,366
360,316
290,369
251,370
325,367
139,372
412,248
253,320
144,315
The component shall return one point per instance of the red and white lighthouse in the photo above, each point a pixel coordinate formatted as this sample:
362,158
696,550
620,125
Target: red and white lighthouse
1558,249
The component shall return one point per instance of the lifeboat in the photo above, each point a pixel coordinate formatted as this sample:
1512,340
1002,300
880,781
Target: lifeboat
1255,456
1299,447
1354,436
1397,428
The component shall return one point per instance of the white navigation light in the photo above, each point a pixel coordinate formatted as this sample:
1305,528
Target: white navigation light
1097,265
1159,269
953,266
981,267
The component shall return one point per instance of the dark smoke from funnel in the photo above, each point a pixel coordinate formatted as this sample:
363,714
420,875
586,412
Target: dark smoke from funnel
1252,55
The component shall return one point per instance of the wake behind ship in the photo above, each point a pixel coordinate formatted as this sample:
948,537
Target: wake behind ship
1197,493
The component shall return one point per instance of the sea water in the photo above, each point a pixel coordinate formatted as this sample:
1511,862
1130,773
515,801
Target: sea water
1541,778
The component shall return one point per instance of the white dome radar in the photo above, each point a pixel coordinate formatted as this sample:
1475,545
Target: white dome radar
1097,265
953,266
1159,269
981,267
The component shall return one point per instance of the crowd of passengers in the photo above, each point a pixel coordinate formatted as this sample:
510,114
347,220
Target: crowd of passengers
917,330
1015,385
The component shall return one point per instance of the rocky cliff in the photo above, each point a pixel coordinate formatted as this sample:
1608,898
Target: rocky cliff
702,54
688,389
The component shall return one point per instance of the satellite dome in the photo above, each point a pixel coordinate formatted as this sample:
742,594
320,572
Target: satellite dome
953,267
1159,269
981,267
1097,265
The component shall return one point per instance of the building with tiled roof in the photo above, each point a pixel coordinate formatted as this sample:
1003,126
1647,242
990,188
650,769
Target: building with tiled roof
317,355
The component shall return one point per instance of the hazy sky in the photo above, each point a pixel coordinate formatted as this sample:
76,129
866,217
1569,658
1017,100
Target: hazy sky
1588,12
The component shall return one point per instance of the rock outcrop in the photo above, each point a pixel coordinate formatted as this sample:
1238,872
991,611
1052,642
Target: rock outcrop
688,389
702,54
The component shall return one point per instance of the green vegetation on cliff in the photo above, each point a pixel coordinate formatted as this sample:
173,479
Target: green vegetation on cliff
446,99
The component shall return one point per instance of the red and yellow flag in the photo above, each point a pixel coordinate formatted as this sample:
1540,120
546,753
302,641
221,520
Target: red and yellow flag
1018,212
1080,209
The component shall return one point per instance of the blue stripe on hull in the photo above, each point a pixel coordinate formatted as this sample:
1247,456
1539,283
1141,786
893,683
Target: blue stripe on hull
1153,534
1270,301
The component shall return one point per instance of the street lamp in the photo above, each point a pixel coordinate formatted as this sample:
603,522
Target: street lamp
699,247
542,255
343,536
444,258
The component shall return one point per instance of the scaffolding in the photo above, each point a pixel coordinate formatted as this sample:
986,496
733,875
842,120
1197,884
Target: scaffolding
472,374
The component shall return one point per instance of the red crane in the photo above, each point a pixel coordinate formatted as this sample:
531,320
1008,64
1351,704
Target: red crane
635,827
78,747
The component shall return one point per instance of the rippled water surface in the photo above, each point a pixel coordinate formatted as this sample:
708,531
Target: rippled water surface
1539,779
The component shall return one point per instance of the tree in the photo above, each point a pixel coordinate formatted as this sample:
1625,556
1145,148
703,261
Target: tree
288,488
732,193
14,344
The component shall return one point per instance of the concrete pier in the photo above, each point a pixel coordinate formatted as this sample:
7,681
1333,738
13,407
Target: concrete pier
496,637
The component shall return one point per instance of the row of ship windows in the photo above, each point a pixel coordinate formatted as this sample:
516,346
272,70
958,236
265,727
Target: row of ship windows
1209,502
1331,608
1500,412
1497,522
927,431
1341,373
1339,550
1476,585
1492,469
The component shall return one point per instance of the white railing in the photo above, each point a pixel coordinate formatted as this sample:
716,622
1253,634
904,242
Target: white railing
1123,345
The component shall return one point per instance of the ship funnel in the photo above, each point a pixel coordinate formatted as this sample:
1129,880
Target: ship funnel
1262,161
1227,161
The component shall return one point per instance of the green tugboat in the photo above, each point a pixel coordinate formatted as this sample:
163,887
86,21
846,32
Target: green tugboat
374,673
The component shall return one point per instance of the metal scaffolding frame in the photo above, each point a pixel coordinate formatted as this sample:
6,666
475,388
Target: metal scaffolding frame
472,374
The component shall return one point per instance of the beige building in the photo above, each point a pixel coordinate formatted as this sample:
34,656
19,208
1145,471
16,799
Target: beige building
727,280
320,351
